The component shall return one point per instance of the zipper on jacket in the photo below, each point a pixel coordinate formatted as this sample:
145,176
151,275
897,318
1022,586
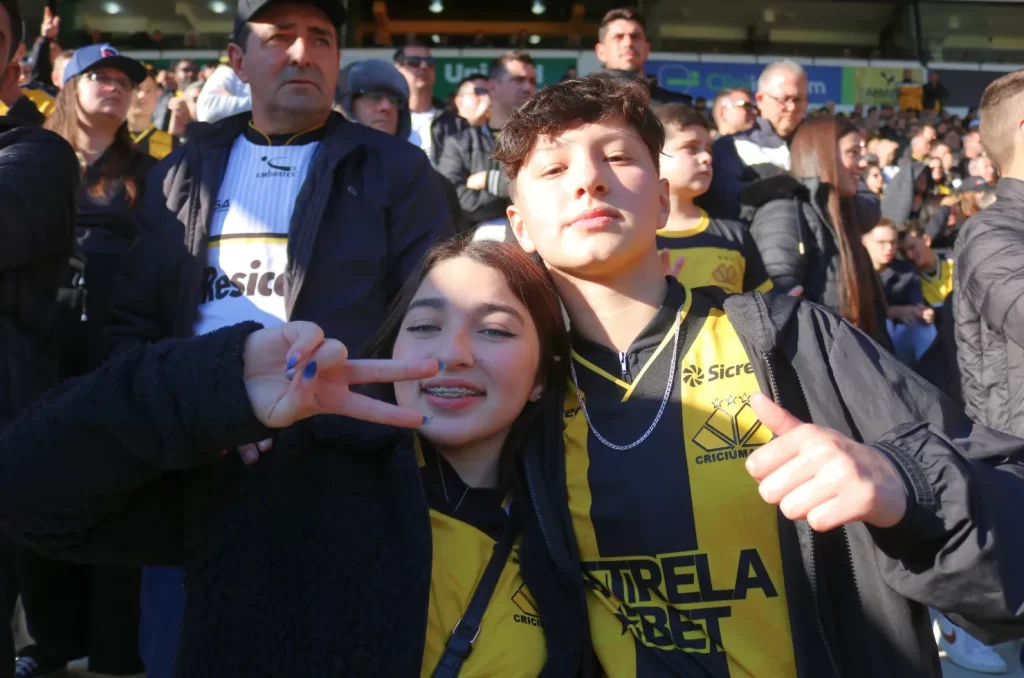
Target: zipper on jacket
532,489
813,554
624,366
849,559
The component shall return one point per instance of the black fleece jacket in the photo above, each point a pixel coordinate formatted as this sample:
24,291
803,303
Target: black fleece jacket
39,178
315,562
959,547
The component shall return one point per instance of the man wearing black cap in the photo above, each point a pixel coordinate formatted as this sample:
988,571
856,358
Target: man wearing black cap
288,212
39,178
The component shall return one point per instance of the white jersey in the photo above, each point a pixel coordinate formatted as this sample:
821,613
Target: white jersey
247,246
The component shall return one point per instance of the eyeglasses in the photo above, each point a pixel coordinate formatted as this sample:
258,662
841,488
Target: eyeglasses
786,102
110,81
478,91
416,62
378,96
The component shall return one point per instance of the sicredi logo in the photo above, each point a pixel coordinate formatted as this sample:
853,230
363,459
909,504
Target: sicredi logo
695,376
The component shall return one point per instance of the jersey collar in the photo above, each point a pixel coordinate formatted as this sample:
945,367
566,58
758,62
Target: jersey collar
650,337
698,228
143,135
259,138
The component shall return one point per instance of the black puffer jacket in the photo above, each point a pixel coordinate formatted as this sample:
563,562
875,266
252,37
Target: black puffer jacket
39,177
989,307
796,238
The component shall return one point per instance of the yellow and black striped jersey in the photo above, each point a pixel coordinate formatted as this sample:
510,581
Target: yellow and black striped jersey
719,253
937,284
681,557
39,97
155,142
464,527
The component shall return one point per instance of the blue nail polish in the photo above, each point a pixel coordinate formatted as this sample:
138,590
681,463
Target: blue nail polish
426,420
290,374
441,365
310,370
292,362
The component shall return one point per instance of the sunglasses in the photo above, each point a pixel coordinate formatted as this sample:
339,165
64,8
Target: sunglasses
479,91
110,81
416,62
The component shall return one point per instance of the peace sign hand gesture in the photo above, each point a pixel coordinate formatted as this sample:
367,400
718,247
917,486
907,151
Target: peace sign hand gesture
293,372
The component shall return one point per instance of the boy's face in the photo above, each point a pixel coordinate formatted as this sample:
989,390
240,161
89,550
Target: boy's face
881,243
916,249
686,160
589,200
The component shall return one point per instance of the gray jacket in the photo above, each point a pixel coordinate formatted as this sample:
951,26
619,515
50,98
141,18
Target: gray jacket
989,308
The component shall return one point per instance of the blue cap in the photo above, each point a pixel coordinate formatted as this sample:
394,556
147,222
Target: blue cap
94,57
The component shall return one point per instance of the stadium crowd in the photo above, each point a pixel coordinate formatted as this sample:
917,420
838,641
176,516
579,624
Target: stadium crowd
196,263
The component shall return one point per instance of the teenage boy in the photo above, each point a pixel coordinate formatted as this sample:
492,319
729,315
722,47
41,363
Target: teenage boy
990,271
718,252
689,567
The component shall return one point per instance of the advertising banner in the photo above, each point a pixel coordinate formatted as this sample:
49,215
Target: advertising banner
451,70
874,86
966,87
706,79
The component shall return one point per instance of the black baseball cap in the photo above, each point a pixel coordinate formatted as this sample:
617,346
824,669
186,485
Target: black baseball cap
248,9
972,184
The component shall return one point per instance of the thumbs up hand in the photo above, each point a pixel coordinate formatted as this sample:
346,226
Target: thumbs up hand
822,476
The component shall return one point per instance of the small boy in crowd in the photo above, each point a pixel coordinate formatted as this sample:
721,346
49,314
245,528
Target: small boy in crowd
701,251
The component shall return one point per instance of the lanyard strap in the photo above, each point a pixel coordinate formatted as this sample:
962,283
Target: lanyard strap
467,629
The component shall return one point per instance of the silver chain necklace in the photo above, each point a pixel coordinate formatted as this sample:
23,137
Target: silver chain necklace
444,486
661,410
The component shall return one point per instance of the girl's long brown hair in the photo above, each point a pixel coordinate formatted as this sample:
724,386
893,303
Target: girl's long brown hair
64,121
814,153
540,423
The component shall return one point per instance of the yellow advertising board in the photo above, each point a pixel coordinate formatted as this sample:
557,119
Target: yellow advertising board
873,86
